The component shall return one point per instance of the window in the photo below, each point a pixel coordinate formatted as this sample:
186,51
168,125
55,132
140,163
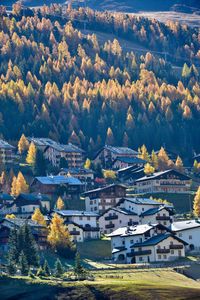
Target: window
80,218
123,242
172,251
140,258
88,218
180,234
165,256
131,241
190,237
159,256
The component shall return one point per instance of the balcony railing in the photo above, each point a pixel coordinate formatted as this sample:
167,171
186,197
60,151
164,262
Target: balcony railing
163,218
131,223
108,218
74,232
110,226
176,246
160,251
142,252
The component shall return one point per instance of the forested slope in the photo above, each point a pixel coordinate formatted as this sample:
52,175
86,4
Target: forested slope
57,82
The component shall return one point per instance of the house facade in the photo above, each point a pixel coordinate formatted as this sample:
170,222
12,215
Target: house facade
101,199
146,244
86,176
189,231
162,215
7,153
169,181
108,154
82,225
124,162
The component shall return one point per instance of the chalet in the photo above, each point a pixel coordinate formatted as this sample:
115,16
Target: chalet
169,181
130,174
25,204
82,225
41,143
146,244
39,232
117,217
189,231
101,199
108,154
6,199
162,215
7,153
124,162
86,176
67,186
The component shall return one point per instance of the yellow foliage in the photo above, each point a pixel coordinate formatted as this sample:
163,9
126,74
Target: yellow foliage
31,156
60,204
148,169
38,217
196,206
12,216
23,144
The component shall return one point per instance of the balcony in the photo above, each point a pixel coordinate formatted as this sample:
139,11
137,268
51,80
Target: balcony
74,232
163,218
110,226
108,218
161,251
176,246
142,252
131,223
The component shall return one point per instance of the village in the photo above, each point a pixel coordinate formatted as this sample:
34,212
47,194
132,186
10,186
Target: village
112,196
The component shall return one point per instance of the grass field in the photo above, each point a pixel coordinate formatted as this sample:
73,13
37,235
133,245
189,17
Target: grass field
125,284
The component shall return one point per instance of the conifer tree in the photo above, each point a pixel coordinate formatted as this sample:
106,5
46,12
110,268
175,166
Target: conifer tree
179,164
38,217
23,264
31,156
143,153
46,268
14,186
40,163
154,160
148,169
59,237
58,268
21,185
13,249
78,268
60,204
87,164
23,144
196,205
163,160
109,137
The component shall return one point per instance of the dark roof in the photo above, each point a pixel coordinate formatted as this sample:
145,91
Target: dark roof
58,179
20,222
6,197
84,228
5,145
159,174
119,210
30,199
157,239
139,201
118,150
153,211
104,188
46,142
77,170
130,160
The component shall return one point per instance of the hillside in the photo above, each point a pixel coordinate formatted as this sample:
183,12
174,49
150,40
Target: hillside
189,6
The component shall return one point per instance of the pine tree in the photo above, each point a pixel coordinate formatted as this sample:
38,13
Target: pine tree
21,185
13,247
196,205
148,169
31,156
46,268
23,264
38,217
78,268
58,268
40,163
179,164
59,237
60,204
23,144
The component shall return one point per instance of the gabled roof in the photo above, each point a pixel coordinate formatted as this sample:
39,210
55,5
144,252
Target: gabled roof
132,230
5,145
153,211
6,197
104,188
77,170
123,211
141,201
30,199
157,239
158,174
184,225
58,179
120,151
20,222
75,213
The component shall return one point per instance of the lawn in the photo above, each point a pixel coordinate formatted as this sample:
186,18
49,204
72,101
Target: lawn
158,284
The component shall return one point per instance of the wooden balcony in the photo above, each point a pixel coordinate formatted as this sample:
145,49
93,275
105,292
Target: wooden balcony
110,226
141,252
109,218
163,218
75,232
176,246
163,251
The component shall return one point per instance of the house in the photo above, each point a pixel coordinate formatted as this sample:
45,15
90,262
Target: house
162,215
146,244
82,225
53,151
116,217
25,204
67,186
101,199
7,153
5,199
86,176
122,162
39,232
108,154
189,231
169,181
130,174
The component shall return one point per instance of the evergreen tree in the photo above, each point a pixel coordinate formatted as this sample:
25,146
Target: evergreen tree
23,144
23,264
58,268
40,163
13,247
46,268
78,268
38,217
196,205
31,156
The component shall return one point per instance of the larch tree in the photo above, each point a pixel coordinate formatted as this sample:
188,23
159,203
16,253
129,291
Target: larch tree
109,137
38,217
60,204
154,160
148,169
31,156
21,184
179,164
163,160
87,164
196,205
143,153
23,144
14,186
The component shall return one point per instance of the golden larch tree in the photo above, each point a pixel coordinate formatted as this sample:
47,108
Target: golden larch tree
179,164
148,169
38,217
21,184
14,186
31,156
196,205
60,204
23,144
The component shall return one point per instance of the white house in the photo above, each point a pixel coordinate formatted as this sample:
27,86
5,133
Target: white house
146,243
115,218
81,224
162,215
189,231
